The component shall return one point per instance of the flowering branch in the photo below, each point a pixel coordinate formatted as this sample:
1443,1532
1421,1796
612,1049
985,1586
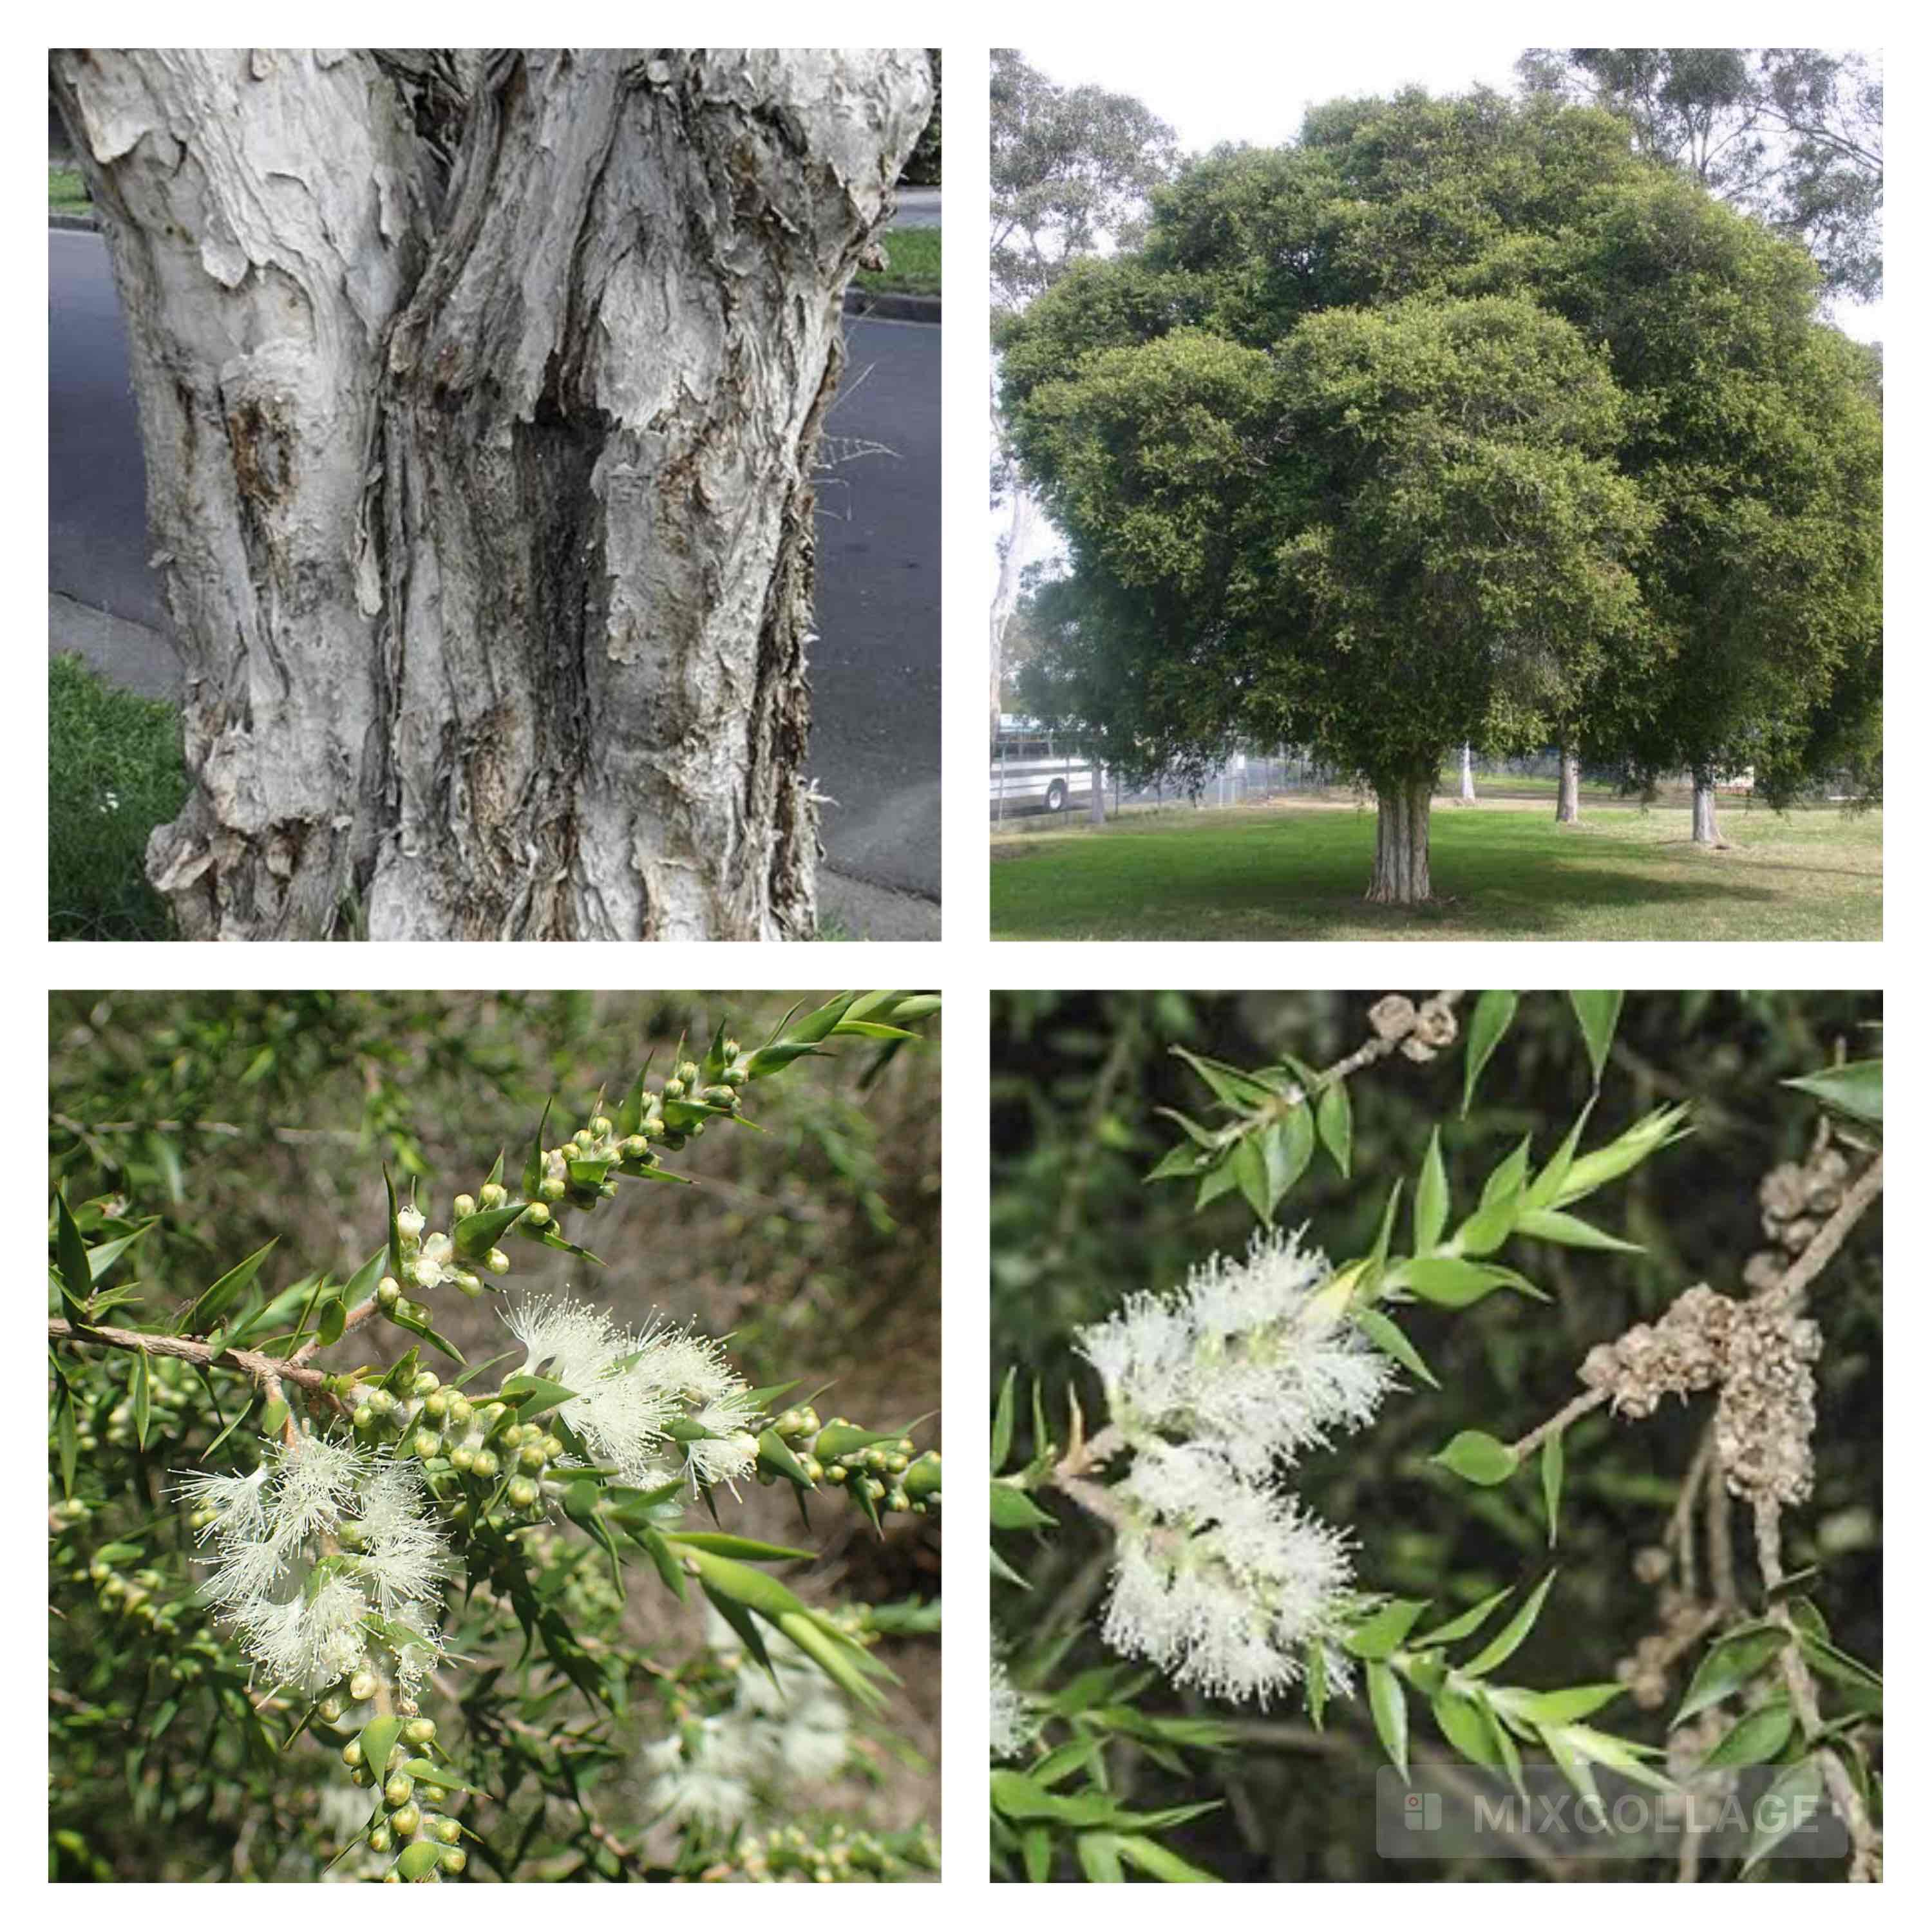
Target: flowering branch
268,1372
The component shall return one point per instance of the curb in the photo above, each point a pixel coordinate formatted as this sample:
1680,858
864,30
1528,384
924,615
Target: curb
882,305
871,912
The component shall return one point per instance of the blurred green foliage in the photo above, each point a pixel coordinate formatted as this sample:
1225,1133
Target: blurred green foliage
1075,1078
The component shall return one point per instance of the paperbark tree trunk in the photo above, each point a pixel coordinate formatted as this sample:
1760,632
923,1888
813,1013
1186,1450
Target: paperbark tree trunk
1097,799
479,393
1006,595
1704,809
1469,778
1567,788
1401,844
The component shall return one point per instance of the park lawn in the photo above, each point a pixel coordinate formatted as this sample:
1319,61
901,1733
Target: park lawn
1298,871
65,193
912,263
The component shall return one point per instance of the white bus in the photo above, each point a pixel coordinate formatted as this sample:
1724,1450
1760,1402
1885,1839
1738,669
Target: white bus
1029,772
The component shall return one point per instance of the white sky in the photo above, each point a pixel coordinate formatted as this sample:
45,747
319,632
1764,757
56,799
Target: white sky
1207,93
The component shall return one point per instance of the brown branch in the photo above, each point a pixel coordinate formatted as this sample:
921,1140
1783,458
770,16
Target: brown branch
1831,1238
1579,1405
268,1372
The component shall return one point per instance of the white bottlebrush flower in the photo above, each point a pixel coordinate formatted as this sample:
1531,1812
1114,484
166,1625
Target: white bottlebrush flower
1223,1581
618,1414
1011,1724
732,1450
1245,1357
322,1539
691,1366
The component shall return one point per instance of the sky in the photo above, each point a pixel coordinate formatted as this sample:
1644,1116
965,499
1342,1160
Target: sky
1206,96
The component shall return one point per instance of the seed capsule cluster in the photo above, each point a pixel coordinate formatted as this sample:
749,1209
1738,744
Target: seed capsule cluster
835,1856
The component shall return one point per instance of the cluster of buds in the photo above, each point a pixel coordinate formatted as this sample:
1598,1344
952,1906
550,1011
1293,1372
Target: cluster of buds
409,1819
880,1471
502,1460
835,1856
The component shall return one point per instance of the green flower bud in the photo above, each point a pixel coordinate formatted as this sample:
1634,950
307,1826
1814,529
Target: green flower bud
495,1194
485,1464
364,1420
496,1261
835,1472
460,1409
537,1215
361,1687
352,1753
420,1730
409,1221
673,1089
379,1840
388,1291
435,1407
552,1447
410,1311
687,1071
552,1188
467,1283
463,1206
634,1147
454,1859
330,1710
600,1127
427,1384
462,1459
522,1493
531,1456
399,1790
424,1443
406,1823
446,1830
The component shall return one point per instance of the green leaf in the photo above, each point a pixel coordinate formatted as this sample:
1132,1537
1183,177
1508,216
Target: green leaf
1596,1016
1238,1089
1157,1862
1506,1642
1567,1231
1432,1196
1487,1025
334,1318
379,1737
143,1398
1390,1709
101,1258
1857,1089
1370,1285
70,1254
1728,1666
1251,1177
1458,1627
1287,1147
419,1860
1010,1508
1477,1458
1559,1707
1797,1794
424,1772
1334,1120
1552,1479
1462,1722
533,1168
1381,1635
1392,1342
1099,1857
1451,1283
475,1234
748,1548
218,1296
531,1395
1003,1422
1542,1192
1757,1737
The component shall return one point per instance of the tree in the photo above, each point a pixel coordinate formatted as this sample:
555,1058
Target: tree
479,393
1071,171
1794,134
1294,422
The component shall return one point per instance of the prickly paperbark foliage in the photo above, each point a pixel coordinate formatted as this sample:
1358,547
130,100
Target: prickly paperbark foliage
479,393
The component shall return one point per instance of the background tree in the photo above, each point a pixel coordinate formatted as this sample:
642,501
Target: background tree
1795,134
1702,325
479,392
1071,171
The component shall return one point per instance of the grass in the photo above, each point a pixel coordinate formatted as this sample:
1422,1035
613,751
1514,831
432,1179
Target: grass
65,193
114,772
912,263
1298,871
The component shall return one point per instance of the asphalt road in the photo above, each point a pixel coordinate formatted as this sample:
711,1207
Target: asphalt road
875,668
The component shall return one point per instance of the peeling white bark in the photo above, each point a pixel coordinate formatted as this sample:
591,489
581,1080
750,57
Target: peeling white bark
479,393
1569,788
1704,810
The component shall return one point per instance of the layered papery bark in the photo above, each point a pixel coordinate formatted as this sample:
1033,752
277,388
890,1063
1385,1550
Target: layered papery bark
1568,787
1401,843
1704,809
480,394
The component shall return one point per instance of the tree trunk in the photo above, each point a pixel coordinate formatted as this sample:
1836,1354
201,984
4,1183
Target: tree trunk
1401,844
1469,778
1568,775
1704,810
1013,546
479,392
1097,799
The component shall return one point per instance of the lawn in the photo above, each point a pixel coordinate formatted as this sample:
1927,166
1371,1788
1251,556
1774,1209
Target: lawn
114,772
912,263
1500,871
65,194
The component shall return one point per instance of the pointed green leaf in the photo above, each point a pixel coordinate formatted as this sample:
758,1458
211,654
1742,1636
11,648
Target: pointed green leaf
1487,1024
1392,1342
1597,1017
1477,1458
1728,1666
1390,1709
1757,1737
1458,1627
143,1399
1504,1644
1552,1479
1798,1794
1003,1422
1334,1119
1857,1089
215,1298
1381,1635
1432,1196
1567,1231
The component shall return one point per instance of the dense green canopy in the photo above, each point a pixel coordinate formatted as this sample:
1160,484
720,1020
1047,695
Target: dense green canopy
1458,420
